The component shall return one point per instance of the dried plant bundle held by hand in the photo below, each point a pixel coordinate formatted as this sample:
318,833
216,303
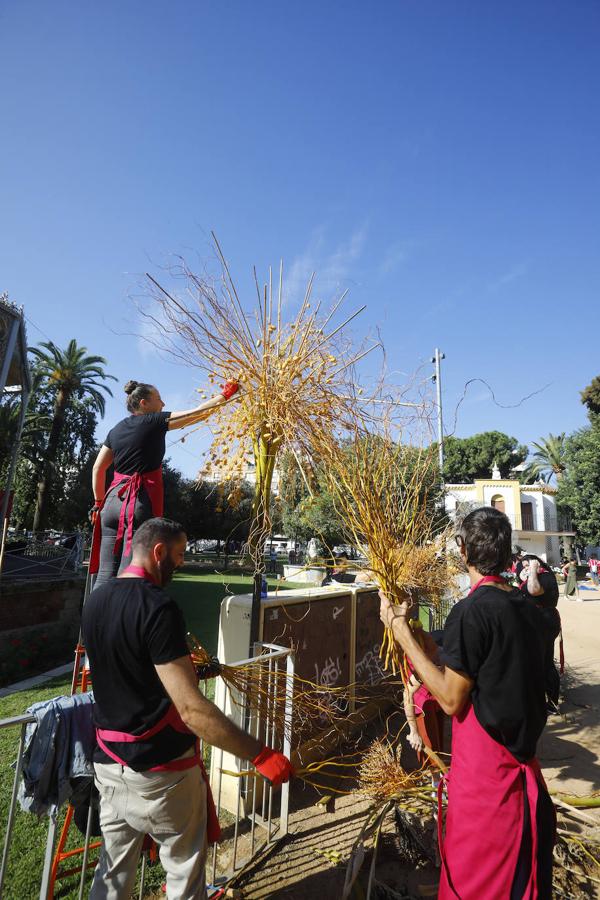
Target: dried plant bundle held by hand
386,493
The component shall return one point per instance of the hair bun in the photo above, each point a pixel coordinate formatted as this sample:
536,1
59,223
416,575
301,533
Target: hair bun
130,387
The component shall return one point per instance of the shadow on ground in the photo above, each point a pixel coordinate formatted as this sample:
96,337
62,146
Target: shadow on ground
569,744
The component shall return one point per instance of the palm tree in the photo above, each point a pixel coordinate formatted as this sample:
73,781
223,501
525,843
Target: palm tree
548,459
73,375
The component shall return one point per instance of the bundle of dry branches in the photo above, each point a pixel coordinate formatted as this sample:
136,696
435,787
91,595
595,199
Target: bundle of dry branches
269,692
296,375
386,493
382,778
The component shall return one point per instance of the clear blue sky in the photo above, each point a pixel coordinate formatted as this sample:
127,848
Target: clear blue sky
440,159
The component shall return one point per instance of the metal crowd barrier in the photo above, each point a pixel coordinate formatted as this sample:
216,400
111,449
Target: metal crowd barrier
252,792
254,806
40,559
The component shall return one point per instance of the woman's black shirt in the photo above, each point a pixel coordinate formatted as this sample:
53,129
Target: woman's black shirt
138,442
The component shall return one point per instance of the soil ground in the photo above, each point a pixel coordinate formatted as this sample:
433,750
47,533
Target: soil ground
310,863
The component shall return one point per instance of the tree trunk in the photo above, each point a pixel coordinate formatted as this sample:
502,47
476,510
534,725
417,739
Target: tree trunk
45,483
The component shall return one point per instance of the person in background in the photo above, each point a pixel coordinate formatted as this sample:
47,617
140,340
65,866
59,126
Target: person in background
272,560
500,823
593,564
538,583
569,571
149,715
136,449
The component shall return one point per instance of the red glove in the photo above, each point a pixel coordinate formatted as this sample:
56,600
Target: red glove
229,389
273,766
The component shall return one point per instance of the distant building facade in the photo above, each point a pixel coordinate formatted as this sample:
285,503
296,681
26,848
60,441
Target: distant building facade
538,526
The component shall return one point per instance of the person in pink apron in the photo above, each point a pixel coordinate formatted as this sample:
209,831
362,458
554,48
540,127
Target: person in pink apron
500,822
149,716
136,448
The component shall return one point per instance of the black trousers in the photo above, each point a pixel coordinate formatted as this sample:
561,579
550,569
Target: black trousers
551,632
112,563
546,836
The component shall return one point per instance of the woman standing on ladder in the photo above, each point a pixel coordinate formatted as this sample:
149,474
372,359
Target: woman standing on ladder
136,448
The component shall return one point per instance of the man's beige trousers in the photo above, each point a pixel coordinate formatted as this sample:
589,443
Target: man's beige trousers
169,806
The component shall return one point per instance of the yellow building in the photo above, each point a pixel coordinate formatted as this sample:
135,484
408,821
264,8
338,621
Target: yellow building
531,509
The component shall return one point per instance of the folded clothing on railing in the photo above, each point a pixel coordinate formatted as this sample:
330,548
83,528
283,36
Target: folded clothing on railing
57,754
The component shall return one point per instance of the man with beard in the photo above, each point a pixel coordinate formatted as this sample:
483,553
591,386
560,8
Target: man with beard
149,715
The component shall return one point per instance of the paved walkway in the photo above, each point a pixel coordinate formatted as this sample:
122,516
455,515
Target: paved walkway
36,680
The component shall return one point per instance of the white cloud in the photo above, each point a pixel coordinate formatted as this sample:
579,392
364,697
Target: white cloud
396,255
516,271
332,268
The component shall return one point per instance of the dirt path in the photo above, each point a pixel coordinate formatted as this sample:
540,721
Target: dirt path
310,865
569,750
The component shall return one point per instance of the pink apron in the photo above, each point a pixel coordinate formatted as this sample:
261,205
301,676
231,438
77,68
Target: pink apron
129,487
487,787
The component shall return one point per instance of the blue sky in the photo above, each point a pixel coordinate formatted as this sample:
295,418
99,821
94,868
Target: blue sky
439,159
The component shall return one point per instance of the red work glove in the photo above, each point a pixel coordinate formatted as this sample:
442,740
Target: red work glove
273,766
229,389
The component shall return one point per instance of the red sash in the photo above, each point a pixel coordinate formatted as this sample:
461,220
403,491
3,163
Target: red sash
170,719
128,487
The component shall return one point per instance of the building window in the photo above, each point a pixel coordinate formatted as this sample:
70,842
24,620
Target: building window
527,516
498,502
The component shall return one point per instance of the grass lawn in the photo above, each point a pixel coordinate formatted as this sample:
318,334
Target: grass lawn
199,596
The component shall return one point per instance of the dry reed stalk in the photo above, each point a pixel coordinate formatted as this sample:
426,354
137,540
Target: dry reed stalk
297,376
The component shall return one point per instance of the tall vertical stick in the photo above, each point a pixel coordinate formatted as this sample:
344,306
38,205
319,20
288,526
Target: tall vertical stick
438,386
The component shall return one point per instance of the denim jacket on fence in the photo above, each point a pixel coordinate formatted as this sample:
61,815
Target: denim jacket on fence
58,747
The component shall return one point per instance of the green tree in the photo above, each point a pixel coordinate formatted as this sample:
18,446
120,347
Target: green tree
316,516
315,513
579,488
70,494
36,423
69,375
548,459
466,459
590,396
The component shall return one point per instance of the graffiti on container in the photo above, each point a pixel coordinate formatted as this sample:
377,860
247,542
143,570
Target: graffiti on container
328,676
369,669
336,611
